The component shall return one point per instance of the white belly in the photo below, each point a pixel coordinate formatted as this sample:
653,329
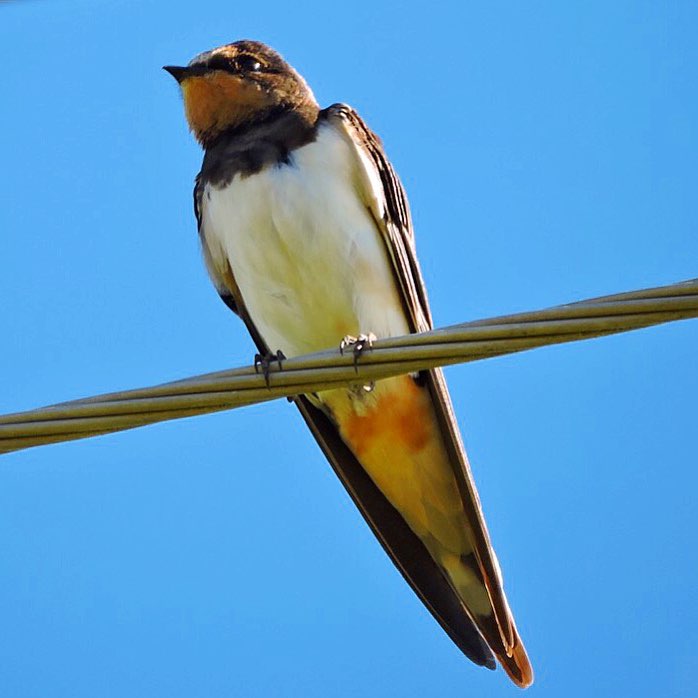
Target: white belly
310,264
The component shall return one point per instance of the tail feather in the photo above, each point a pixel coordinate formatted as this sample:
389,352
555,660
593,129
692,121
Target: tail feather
403,436
407,551
498,629
517,664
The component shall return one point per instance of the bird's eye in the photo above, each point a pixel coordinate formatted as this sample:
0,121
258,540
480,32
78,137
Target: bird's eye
248,64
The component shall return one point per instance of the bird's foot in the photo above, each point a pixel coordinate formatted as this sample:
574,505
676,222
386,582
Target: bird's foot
264,361
358,345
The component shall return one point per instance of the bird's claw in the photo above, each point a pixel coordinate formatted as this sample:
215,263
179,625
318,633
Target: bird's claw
264,362
358,345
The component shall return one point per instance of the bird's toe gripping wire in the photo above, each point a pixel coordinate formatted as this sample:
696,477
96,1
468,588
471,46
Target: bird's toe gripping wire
264,361
358,345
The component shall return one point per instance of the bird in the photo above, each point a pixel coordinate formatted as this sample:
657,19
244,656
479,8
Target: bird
306,233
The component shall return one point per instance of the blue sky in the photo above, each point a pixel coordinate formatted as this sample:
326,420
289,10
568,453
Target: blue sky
549,152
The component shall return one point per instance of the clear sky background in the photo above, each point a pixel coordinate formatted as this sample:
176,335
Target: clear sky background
549,151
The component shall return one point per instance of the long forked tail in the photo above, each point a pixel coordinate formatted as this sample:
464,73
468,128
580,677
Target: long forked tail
406,471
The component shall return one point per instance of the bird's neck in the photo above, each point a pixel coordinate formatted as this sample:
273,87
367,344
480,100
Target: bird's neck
267,139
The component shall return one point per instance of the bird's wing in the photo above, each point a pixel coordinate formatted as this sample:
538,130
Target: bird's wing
220,271
383,195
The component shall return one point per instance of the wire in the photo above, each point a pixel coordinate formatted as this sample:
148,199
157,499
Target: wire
471,341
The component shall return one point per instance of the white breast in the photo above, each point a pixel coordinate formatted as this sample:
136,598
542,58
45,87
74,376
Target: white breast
310,264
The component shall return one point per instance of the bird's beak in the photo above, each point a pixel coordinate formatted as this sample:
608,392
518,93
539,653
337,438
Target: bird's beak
177,72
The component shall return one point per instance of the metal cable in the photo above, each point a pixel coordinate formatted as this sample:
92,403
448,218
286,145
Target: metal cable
469,341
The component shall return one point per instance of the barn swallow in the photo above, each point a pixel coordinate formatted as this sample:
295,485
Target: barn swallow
307,236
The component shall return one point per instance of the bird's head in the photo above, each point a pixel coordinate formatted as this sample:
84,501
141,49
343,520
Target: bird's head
236,85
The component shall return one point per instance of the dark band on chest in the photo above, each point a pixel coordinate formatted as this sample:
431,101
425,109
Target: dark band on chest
267,143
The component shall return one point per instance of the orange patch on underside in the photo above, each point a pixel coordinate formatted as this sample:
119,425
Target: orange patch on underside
400,417
216,101
396,437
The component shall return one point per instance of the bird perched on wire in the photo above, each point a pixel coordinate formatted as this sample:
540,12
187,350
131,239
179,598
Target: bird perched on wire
306,234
